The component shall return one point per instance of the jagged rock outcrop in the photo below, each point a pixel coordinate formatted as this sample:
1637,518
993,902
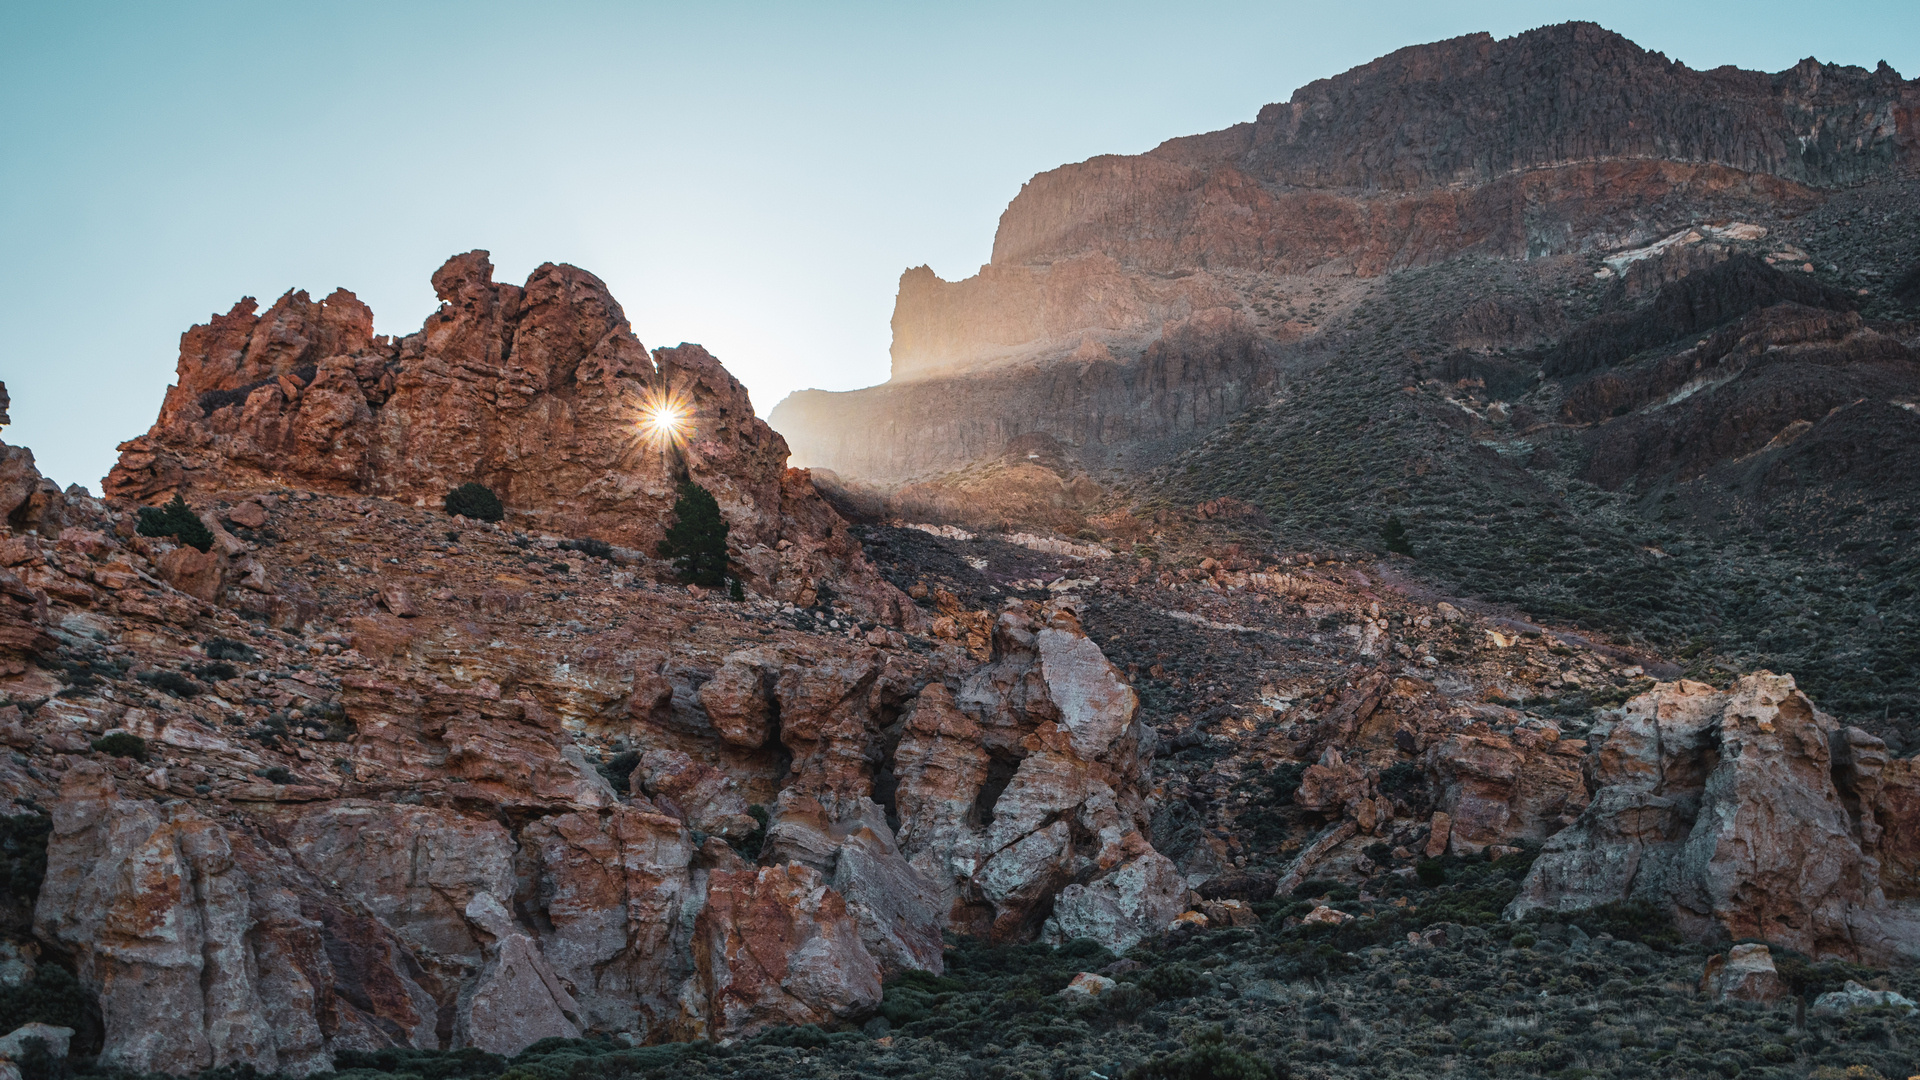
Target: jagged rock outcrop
538,391
28,501
1026,788
508,833
207,950
1727,808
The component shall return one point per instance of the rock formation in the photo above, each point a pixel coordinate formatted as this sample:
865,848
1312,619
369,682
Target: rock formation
539,392
439,811
1230,246
1747,813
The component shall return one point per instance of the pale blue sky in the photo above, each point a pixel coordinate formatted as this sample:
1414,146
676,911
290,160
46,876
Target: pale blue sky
752,177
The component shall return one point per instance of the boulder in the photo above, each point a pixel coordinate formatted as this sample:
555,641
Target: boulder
199,574
1324,914
1853,996
1495,788
1087,985
205,950
248,515
1722,808
518,999
619,896
695,792
1123,907
738,699
57,1040
1745,973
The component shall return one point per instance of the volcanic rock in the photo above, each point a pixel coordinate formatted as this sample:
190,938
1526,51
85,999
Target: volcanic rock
776,945
1206,247
1745,973
1722,807
535,391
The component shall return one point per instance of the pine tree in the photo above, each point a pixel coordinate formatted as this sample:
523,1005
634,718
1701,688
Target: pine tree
697,541
1395,535
175,519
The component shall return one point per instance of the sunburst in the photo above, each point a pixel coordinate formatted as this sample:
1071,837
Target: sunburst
666,418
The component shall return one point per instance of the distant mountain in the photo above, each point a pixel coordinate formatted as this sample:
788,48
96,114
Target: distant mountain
1515,269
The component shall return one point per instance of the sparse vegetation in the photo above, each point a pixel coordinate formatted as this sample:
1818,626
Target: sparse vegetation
122,744
175,520
696,543
476,501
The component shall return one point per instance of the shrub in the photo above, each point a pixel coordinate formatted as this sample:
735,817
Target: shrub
696,543
1394,535
215,671
277,775
177,520
618,769
1170,981
122,744
170,681
219,648
1208,1057
750,846
1431,872
599,549
23,865
53,997
475,501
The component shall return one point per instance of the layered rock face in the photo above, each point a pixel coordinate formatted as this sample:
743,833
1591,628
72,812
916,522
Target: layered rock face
1562,140
538,391
607,809
1748,814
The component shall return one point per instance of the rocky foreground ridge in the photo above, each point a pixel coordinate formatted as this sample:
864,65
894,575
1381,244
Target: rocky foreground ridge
489,789
362,775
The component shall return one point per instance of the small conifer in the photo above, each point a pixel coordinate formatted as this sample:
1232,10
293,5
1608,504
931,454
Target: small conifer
697,541
1395,535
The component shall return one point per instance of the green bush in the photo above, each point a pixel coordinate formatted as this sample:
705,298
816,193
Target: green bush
177,520
1170,981
122,744
475,501
599,549
1394,535
1208,1057
618,769
696,543
53,997
749,847
219,648
172,682
23,865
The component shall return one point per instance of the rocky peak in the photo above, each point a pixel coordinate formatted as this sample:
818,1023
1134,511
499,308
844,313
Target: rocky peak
535,391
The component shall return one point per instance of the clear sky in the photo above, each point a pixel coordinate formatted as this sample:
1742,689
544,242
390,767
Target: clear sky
752,177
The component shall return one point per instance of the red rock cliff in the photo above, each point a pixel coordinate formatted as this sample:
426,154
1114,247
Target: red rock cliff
536,391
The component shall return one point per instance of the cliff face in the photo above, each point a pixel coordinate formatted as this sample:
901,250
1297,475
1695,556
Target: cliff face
363,776
537,391
1560,141
1419,155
